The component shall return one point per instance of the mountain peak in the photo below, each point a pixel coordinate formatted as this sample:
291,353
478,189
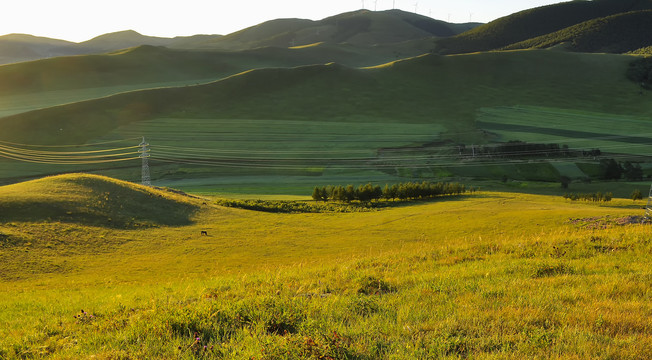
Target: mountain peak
123,39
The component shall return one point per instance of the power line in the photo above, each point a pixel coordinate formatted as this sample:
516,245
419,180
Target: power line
295,159
26,153
70,146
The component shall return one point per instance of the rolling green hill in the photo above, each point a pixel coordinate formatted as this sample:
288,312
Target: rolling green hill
535,22
94,200
617,34
149,66
141,65
426,89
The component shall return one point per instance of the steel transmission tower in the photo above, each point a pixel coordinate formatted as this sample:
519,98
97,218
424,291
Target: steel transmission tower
648,207
144,155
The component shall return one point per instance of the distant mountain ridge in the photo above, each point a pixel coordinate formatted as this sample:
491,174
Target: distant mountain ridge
23,47
363,28
541,27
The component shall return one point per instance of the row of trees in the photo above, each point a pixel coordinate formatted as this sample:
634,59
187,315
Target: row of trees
403,191
595,197
521,149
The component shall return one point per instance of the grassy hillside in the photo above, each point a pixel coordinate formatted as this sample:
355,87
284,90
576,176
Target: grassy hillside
533,23
94,200
486,276
446,90
618,34
145,64
150,66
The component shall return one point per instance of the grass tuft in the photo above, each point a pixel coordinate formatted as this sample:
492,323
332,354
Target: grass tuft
548,270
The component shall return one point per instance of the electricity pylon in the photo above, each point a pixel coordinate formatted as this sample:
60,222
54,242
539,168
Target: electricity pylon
648,207
144,155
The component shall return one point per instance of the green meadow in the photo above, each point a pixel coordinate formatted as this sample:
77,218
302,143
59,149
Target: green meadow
100,268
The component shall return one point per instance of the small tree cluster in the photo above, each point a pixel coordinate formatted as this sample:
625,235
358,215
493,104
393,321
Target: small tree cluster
610,169
640,71
403,191
594,197
632,172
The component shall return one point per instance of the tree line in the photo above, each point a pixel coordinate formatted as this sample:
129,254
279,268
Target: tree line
594,197
402,191
521,149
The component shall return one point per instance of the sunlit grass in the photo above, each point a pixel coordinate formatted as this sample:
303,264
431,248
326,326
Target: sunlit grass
493,275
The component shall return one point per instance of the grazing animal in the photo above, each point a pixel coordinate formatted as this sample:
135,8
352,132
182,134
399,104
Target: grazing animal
204,232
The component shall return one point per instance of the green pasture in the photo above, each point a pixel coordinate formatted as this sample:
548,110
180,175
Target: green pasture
260,156
253,156
276,138
609,132
569,169
488,275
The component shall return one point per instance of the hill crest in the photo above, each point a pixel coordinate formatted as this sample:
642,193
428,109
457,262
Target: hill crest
94,200
361,27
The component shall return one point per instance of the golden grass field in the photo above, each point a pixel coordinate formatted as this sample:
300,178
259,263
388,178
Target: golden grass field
487,275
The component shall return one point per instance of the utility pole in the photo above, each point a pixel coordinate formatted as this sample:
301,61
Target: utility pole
648,207
144,155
